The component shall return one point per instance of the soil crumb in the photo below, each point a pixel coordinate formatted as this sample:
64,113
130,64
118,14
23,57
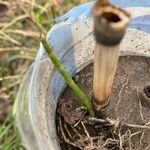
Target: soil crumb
123,125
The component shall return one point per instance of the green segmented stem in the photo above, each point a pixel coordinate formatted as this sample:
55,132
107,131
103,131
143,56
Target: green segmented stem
87,103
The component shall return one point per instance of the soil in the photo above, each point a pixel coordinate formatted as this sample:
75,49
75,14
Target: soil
123,125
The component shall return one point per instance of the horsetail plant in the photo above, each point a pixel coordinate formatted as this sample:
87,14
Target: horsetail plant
86,101
110,23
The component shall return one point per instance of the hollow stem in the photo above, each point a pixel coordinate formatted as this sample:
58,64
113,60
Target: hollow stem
105,64
110,23
86,101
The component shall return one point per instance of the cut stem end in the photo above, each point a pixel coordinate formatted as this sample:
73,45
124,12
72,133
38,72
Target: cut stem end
110,23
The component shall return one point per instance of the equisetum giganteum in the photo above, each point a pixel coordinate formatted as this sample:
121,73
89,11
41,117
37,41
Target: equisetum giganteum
110,24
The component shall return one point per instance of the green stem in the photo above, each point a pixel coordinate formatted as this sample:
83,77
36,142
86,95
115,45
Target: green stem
87,103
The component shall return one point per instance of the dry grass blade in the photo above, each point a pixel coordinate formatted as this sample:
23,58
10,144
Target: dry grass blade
8,38
10,77
17,49
4,89
39,27
33,4
25,33
3,24
58,2
18,18
15,57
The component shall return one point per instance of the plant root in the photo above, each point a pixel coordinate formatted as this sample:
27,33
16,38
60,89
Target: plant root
118,139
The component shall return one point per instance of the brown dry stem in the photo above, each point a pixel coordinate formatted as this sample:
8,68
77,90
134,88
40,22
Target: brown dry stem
110,23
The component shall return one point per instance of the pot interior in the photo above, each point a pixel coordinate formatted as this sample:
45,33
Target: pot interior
126,105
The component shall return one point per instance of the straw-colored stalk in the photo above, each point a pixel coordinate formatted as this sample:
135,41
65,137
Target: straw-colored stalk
110,23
